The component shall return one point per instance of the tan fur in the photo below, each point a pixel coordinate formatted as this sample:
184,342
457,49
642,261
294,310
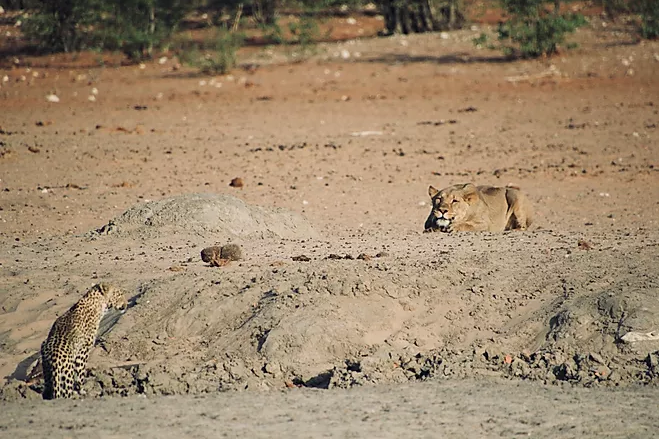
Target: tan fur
467,207
64,353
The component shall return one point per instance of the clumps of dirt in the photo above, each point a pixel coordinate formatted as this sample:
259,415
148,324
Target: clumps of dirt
5,151
18,390
477,308
223,215
474,309
362,256
237,182
302,258
218,256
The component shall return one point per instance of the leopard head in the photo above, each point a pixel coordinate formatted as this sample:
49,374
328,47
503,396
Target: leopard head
114,297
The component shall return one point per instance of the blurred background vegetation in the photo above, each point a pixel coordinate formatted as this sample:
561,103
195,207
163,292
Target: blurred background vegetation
138,28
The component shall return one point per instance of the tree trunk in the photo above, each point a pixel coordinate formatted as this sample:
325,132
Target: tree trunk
267,10
557,6
451,14
405,16
152,30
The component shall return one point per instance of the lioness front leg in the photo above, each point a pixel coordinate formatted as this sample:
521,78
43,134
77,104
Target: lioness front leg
466,227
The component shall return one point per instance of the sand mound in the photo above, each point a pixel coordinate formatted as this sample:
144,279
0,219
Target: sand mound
536,305
222,215
476,307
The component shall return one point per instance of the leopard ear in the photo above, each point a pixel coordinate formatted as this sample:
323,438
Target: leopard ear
432,192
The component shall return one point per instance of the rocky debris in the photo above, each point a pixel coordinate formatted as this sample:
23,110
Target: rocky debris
436,123
218,256
584,245
301,258
237,182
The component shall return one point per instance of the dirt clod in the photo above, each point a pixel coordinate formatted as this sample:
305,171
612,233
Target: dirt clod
301,258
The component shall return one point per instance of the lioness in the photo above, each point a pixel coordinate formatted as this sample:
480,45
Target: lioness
467,207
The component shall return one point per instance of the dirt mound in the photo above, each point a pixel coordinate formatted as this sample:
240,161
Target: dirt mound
467,305
222,215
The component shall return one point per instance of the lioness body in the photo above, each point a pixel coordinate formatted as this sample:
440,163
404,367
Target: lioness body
467,207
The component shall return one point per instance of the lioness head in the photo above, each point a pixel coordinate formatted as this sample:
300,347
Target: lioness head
450,205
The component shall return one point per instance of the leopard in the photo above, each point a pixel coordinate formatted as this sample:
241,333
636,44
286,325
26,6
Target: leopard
65,351
470,208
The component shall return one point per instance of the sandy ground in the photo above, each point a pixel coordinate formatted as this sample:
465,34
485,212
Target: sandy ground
336,153
464,409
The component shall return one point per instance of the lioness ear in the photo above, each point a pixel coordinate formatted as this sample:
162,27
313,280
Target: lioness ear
470,194
432,192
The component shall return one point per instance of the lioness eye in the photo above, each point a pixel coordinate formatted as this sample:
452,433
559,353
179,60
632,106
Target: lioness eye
454,201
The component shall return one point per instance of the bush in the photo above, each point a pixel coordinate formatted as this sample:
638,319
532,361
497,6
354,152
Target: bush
133,26
305,33
221,59
532,29
649,10
62,25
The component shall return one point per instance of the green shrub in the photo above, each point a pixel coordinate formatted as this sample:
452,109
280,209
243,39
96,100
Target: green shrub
305,33
222,57
532,30
272,33
538,36
62,25
649,11
132,26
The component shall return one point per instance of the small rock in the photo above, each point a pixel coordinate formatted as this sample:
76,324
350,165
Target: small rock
218,256
162,60
597,358
602,372
272,368
232,252
584,245
52,98
301,258
237,182
210,253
